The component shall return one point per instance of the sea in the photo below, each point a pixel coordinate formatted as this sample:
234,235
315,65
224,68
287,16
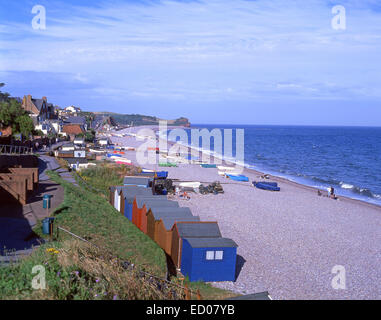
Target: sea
346,158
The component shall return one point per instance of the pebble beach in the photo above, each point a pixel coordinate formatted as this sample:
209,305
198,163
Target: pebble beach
288,241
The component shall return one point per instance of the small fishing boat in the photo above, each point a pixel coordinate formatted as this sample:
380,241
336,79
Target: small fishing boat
189,185
270,186
167,164
110,155
96,150
123,161
224,173
147,171
222,168
207,165
238,177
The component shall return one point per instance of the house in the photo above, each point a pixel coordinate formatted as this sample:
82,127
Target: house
103,142
181,230
46,127
72,130
78,163
79,141
76,120
155,214
209,259
5,131
39,109
164,230
80,153
68,147
72,109
64,154
142,204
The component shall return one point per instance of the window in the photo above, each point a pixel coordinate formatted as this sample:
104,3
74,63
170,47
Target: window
219,255
214,255
209,255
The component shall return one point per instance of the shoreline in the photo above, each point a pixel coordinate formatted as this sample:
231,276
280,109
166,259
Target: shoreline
258,172
280,178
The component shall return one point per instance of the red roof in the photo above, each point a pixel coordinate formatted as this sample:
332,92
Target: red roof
73,129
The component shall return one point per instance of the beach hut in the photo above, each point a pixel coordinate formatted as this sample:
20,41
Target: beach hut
115,196
155,214
129,194
209,259
137,181
164,230
142,204
181,230
153,205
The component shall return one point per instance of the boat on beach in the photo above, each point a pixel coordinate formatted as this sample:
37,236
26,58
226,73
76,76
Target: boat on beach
207,165
238,177
223,168
264,185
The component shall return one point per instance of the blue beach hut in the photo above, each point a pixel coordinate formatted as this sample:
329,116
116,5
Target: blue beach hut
209,259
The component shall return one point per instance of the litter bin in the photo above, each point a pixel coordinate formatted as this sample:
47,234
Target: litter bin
46,225
46,201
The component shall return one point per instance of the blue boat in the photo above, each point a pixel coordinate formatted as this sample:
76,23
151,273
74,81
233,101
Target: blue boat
238,177
161,174
206,165
109,155
270,186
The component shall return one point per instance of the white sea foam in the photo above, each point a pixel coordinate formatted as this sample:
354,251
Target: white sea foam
346,185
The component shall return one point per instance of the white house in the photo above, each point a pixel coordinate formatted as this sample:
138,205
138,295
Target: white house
79,153
72,109
79,140
68,147
103,142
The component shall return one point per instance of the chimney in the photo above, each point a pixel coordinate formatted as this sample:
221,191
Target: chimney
44,98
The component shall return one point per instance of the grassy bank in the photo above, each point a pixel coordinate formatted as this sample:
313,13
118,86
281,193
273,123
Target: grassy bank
76,270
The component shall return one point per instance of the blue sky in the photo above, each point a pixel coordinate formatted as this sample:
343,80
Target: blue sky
238,62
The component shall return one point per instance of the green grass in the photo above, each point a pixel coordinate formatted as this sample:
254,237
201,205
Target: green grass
80,271
90,216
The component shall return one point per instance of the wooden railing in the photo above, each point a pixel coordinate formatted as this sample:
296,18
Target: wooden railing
9,149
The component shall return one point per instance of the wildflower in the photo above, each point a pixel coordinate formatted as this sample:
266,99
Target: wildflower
97,280
58,273
115,297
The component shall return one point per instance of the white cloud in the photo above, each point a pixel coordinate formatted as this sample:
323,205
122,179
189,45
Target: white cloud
199,49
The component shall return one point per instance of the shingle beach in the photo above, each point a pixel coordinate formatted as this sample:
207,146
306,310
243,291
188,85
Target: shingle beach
289,241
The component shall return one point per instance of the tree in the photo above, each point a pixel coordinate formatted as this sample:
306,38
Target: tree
4,96
25,125
12,114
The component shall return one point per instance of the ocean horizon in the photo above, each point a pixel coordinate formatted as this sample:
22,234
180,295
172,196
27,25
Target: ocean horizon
347,158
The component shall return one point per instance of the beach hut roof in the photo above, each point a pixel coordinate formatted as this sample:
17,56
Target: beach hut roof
129,192
153,203
137,180
170,221
211,242
159,213
199,229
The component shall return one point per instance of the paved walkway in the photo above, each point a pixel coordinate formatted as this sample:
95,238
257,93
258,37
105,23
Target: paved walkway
17,221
